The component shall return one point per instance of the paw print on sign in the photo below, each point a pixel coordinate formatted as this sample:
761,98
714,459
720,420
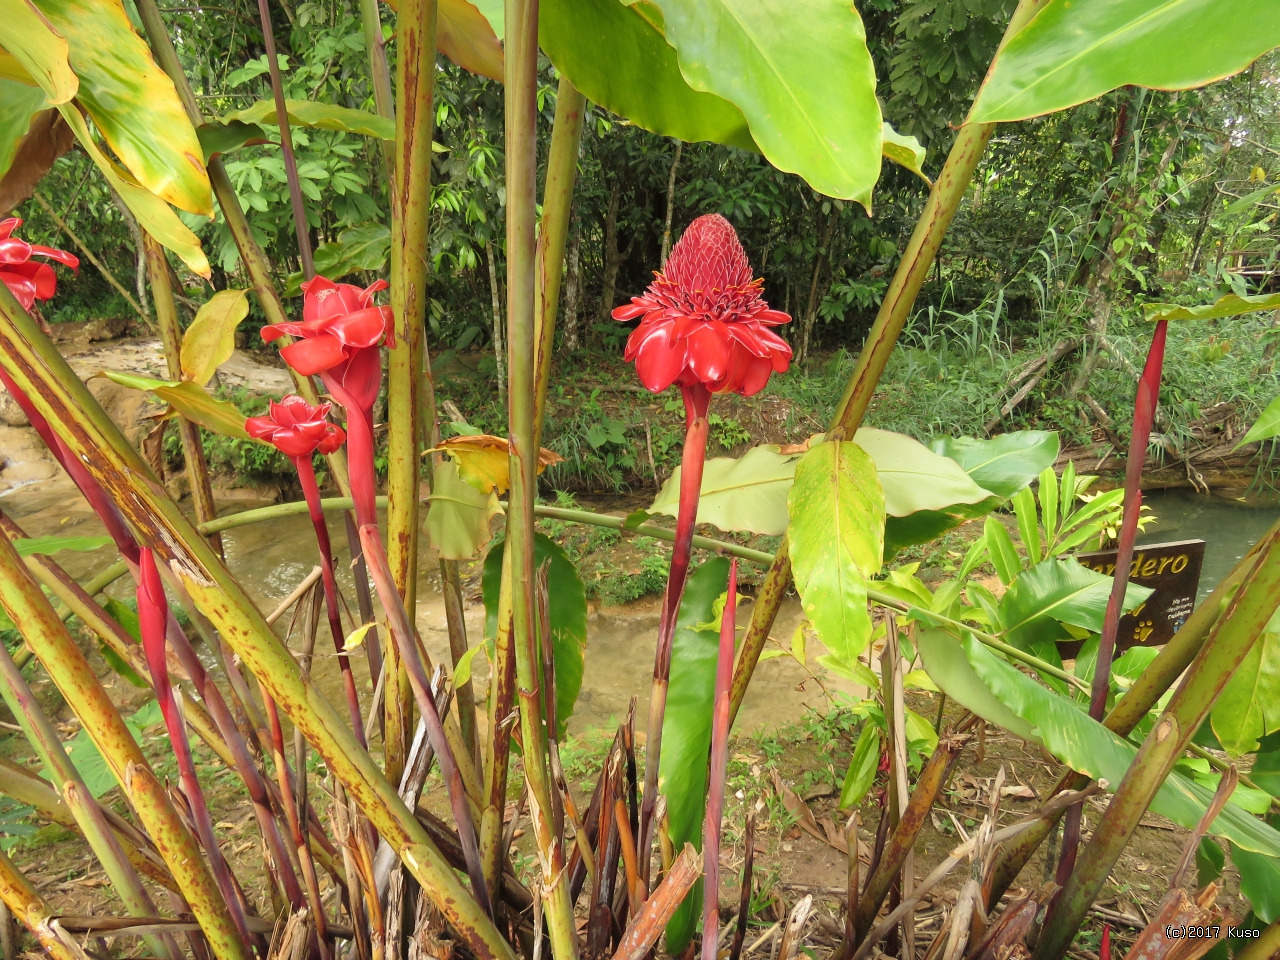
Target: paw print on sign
1144,629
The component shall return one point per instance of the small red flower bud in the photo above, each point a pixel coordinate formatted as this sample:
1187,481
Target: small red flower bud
27,279
296,428
704,318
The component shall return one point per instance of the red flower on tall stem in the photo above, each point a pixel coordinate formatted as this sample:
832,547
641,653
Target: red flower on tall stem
705,320
296,428
705,327
29,280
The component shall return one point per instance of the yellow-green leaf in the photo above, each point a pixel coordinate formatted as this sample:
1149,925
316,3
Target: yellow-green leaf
37,48
131,101
211,338
323,116
462,672
904,151
154,215
465,37
484,461
19,104
1228,306
356,637
1268,425
458,521
191,400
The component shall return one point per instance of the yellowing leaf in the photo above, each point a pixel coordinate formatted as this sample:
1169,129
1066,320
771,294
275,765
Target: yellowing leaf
37,51
483,460
458,521
904,151
465,37
211,338
356,637
191,400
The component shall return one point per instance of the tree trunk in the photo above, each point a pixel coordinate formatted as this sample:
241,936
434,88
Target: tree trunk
811,308
671,202
495,293
572,287
612,256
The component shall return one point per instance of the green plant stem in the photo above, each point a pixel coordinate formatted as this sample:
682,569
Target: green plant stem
521,81
1265,947
89,818
1228,644
255,260
171,339
66,666
895,309
380,76
557,203
407,362
37,367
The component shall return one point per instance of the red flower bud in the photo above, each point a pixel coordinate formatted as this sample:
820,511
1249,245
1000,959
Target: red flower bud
704,319
28,279
296,428
338,321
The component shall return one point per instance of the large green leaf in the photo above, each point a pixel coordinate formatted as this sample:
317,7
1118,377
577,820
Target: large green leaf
1003,464
323,116
836,540
749,493
801,74
366,246
1249,706
1229,306
1259,882
211,339
1075,50
686,739
1078,741
19,103
458,520
618,57
1268,425
191,400
568,616
131,101
913,477
1062,590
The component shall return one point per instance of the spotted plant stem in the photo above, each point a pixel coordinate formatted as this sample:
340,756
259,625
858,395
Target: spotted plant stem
719,770
697,400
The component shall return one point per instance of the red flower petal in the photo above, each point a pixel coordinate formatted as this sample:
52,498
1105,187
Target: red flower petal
362,328
334,438
8,225
709,352
314,354
14,251
70,259
23,288
659,360
629,311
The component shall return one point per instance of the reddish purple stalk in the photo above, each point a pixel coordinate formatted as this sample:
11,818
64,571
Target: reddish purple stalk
1144,412
697,400
363,492
153,615
311,491
719,770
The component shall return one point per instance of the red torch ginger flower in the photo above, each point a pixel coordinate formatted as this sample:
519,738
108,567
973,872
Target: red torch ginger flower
29,280
338,321
296,428
704,319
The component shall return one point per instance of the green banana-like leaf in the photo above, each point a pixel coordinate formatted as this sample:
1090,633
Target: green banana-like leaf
1003,464
217,138
44,546
686,740
903,150
1268,425
619,58
1245,711
211,339
1075,50
131,101
470,34
191,400
777,63
836,540
747,493
568,615
999,693
1063,590
38,54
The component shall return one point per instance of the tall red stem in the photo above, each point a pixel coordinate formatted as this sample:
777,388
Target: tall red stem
311,491
719,770
697,400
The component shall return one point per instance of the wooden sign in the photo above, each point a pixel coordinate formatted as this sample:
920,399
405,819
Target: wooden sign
1172,571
